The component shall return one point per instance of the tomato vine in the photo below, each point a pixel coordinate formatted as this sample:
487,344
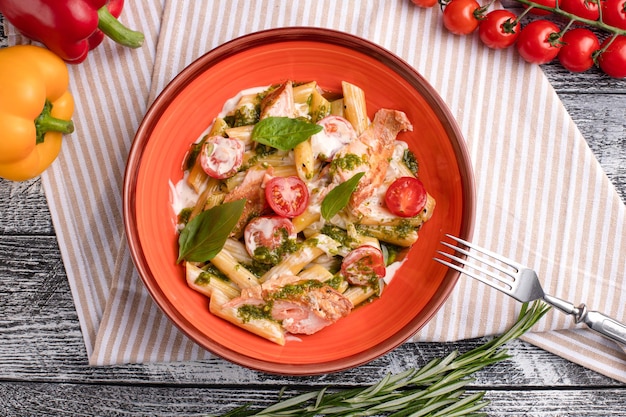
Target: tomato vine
547,29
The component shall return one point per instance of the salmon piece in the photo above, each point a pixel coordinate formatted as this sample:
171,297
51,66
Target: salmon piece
373,149
253,191
279,103
302,308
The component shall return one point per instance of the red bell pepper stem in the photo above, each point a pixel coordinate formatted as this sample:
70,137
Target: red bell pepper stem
115,30
45,122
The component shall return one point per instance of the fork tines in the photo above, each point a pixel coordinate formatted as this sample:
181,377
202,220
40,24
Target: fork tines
485,267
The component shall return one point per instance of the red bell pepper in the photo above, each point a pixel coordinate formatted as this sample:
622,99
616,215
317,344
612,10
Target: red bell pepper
70,28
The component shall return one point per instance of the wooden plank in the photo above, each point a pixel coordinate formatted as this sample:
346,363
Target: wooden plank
112,400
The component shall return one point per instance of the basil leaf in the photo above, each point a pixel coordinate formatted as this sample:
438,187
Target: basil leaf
283,133
338,197
204,236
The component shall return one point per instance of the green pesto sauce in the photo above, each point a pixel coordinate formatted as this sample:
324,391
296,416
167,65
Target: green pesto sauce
410,161
403,229
183,216
338,234
266,255
346,163
290,291
210,272
244,116
335,281
249,312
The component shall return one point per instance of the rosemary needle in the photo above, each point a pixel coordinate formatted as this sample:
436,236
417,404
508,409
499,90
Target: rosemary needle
434,390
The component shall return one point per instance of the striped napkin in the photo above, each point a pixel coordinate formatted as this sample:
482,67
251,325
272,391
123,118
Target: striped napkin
542,197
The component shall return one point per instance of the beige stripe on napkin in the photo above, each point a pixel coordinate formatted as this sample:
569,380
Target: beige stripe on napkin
536,179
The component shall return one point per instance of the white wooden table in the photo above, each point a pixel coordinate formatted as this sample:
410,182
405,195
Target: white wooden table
43,363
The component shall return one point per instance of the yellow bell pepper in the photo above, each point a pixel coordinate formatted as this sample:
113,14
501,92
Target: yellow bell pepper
35,110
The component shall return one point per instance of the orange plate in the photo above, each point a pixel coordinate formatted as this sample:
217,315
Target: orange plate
187,107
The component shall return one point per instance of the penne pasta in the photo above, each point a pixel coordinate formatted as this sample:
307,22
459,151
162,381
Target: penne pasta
358,295
237,273
205,283
268,329
304,160
355,108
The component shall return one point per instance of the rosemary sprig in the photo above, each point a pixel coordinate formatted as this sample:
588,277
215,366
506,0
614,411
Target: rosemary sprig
435,390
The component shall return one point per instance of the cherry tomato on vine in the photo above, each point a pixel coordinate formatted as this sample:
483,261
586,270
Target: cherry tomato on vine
613,60
499,29
541,12
287,196
538,42
614,13
576,54
424,3
459,18
587,9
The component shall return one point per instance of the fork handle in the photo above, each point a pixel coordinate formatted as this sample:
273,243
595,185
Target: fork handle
602,324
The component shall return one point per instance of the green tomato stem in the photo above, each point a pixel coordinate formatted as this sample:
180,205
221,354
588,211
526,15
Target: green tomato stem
558,11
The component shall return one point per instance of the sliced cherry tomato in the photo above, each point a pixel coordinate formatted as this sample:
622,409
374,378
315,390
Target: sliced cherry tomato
424,3
221,157
287,196
459,18
337,133
269,238
406,197
576,54
614,13
538,42
363,264
613,60
587,9
541,12
499,29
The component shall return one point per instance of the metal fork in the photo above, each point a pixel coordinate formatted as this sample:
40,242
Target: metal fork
522,284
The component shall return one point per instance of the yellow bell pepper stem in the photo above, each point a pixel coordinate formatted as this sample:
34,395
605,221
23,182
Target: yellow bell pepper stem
46,123
35,110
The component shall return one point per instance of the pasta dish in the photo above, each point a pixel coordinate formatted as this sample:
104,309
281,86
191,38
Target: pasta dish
295,208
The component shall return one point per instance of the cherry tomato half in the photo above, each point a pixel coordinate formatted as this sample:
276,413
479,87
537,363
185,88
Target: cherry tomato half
587,9
576,54
363,264
406,197
614,13
459,18
221,157
287,196
265,236
424,3
498,30
534,43
613,60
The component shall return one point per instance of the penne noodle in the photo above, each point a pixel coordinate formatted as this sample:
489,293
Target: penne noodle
294,262
337,108
355,108
305,219
304,160
267,329
238,251
211,190
243,133
317,272
358,295
319,106
205,283
303,92
396,235
237,273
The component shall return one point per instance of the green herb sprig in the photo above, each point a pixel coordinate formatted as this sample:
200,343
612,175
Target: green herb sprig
435,390
283,133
